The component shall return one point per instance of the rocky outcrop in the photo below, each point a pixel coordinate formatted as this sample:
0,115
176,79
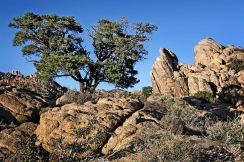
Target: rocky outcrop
163,70
22,98
21,106
16,142
49,89
210,71
95,121
144,123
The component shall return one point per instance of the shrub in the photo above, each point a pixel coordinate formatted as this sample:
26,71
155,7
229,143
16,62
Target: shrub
29,152
186,113
230,131
168,148
80,97
124,94
146,92
206,96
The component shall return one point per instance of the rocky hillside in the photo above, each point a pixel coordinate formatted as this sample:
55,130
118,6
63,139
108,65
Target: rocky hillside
217,69
23,97
49,89
116,126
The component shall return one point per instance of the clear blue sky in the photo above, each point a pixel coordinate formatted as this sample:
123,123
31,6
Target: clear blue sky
181,25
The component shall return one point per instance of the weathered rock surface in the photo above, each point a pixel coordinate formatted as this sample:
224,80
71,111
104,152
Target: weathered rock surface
163,70
21,106
209,73
143,123
14,142
153,122
62,122
22,98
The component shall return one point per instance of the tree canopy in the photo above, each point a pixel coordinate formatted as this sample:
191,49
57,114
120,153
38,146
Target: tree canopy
54,45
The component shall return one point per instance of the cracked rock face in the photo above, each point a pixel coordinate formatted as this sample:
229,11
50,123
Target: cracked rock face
163,69
209,72
143,123
95,121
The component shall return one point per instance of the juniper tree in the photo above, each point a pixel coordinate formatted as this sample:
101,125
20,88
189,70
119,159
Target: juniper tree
54,45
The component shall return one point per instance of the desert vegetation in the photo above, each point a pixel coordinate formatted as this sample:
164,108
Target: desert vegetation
179,142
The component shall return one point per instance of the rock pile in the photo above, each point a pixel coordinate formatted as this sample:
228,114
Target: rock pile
210,72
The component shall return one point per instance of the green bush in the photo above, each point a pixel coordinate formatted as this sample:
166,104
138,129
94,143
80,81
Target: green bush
206,96
146,92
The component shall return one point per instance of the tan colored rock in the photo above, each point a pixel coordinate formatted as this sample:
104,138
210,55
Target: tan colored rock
154,97
198,84
177,75
228,50
162,69
181,87
215,66
184,69
20,107
231,73
241,117
143,123
94,119
233,94
15,140
241,77
62,100
209,73
205,50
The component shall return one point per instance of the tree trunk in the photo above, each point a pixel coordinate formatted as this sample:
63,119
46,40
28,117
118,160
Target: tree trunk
82,87
85,86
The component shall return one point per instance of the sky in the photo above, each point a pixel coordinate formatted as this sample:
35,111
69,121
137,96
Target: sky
181,25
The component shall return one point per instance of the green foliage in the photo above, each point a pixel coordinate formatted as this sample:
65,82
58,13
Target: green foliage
206,96
146,92
236,64
29,152
56,45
